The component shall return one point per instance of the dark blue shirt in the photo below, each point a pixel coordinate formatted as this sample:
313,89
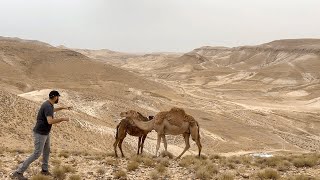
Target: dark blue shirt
42,126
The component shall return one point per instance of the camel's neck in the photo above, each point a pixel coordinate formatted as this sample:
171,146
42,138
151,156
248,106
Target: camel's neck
144,125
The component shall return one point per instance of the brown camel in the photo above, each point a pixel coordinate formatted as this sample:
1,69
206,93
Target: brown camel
127,126
173,122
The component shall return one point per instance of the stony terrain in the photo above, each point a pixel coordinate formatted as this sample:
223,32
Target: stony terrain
248,99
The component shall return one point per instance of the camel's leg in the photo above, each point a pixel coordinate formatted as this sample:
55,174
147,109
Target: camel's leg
158,144
186,139
120,146
142,143
199,146
165,143
115,147
139,145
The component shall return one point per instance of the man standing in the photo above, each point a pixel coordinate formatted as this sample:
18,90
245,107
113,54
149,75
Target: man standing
41,133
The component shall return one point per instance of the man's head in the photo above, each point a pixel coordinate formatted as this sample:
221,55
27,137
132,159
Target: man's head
54,96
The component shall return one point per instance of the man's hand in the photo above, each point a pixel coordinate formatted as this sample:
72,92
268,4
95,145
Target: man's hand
68,108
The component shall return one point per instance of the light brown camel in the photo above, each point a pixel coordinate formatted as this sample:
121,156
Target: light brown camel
127,126
173,122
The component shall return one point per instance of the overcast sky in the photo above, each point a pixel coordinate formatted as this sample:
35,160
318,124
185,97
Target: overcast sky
158,25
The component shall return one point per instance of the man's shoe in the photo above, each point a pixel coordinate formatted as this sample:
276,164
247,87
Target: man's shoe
18,176
46,173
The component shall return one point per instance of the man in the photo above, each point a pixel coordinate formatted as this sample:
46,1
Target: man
41,133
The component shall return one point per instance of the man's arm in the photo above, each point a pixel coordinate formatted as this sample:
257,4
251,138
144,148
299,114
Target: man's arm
61,108
54,121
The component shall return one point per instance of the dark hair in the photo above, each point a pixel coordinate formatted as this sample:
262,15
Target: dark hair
53,93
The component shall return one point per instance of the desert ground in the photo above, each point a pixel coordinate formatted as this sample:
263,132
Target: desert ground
247,100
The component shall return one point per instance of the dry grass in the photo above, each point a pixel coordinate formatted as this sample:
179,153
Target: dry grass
187,161
164,161
132,165
302,177
226,176
101,171
74,177
56,162
64,154
268,174
40,177
110,161
68,169
202,173
161,168
59,173
136,158
147,161
120,174
284,166
305,161
154,175
166,154
110,154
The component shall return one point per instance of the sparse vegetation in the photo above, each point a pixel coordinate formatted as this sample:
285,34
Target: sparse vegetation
166,154
305,161
284,166
164,161
59,173
110,161
64,154
268,174
132,165
101,171
56,162
154,175
74,177
120,174
40,177
202,173
147,161
226,176
303,177
161,168
68,169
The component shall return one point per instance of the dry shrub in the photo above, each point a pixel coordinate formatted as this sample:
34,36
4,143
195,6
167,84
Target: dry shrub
215,156
74,177
166,154
303,177
154,175
101,171
164,161
187,161
268,174
284,166
56,162
148,162
64,154
226,176
120,174
202,173
40,177
161,168
136,158
59,173
132,165
305,161
68,169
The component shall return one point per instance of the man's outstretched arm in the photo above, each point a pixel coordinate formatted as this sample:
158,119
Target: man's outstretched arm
61,108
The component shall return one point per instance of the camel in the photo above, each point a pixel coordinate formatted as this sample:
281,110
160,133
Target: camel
127,126
173,122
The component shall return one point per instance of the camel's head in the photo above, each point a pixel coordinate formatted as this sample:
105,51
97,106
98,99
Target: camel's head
134,115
